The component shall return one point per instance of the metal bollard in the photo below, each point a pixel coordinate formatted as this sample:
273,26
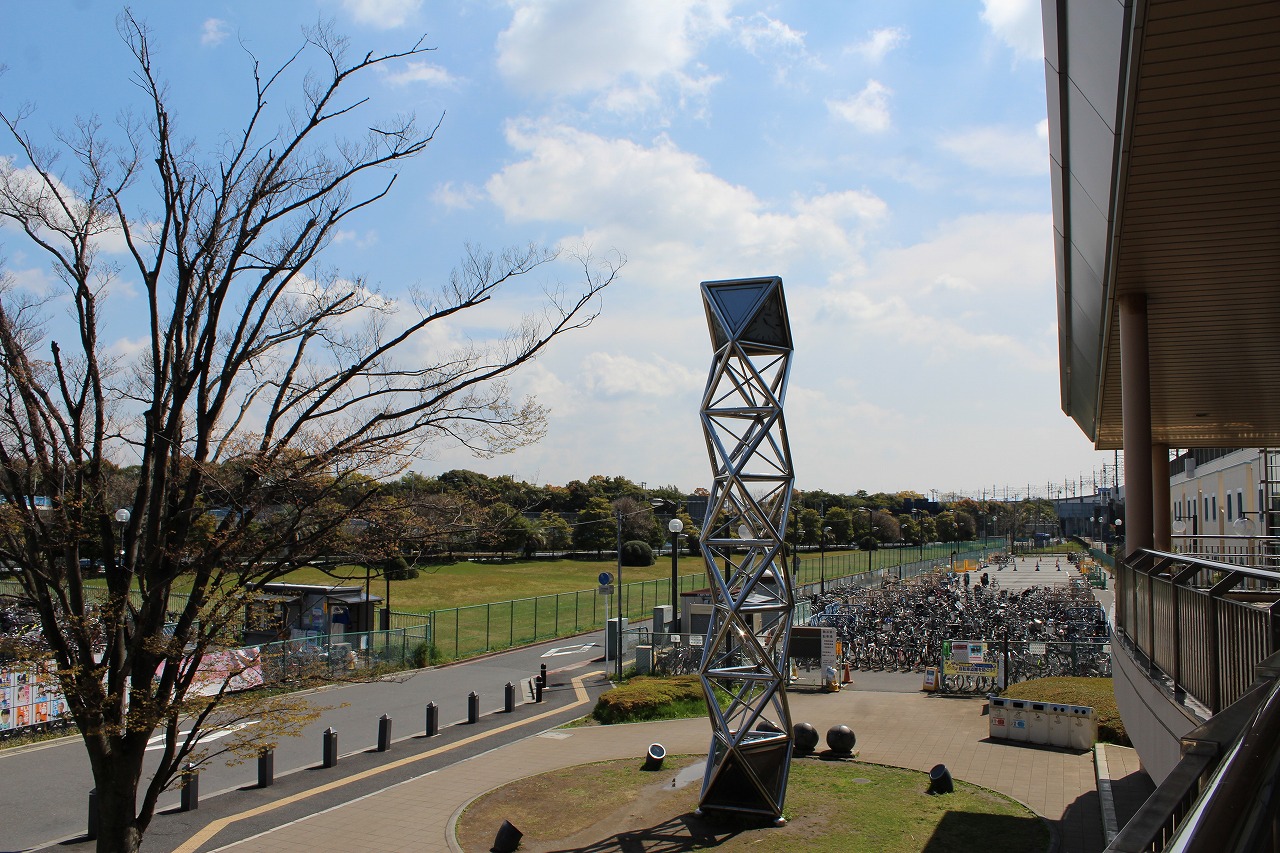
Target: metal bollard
509,698
473,707
190,798
542,673
384,733
93,815
330,752
266,768
538,684
433,719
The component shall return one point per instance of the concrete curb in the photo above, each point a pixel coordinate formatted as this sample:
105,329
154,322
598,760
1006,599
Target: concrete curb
1106,800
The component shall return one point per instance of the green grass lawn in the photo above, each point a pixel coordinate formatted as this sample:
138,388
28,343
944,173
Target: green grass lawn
464,583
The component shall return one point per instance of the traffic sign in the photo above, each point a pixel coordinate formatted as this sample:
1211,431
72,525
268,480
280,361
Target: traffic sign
605,578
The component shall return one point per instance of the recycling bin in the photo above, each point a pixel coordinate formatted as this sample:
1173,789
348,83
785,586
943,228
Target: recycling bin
1018,723
1059,725
998,717
1083,730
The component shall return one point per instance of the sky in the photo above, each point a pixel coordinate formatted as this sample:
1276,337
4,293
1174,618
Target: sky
888,160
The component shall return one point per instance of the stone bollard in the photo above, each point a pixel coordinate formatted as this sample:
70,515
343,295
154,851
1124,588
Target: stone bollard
330,750
92,834
509,698
433,719
473,707
384,733
190,798
266,768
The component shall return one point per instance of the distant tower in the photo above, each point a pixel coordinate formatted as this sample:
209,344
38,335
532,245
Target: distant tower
744,661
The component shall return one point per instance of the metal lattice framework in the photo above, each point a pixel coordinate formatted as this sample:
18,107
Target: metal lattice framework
743,667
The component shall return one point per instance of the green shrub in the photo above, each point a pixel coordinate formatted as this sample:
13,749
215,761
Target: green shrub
1096,693
398,569
650,698
426,654
637,553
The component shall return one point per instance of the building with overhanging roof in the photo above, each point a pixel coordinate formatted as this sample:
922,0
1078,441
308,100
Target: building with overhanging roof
1163,119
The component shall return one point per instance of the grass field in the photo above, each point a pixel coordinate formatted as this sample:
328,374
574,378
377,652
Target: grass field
832,807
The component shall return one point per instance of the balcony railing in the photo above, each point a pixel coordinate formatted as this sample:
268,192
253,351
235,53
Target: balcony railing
1209,630
1201,624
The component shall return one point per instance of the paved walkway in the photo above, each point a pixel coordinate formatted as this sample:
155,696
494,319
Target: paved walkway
906,730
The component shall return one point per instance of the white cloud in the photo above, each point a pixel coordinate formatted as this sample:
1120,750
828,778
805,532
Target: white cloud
878,44
383,14
421,72
213,31
762,33
623,51
459,197
668,201
623,376
1001,150
868,110
1017,23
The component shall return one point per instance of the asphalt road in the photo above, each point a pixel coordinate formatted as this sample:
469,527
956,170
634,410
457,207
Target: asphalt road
44,788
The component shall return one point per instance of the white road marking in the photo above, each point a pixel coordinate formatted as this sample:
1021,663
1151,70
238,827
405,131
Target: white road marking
157,742
568,650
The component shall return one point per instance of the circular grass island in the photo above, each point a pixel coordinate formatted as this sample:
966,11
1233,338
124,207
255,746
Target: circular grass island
832,806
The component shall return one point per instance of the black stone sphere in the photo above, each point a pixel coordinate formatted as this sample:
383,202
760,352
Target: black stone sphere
841,739
806,737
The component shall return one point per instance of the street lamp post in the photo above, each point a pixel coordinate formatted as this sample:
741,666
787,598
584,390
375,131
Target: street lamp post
122,518
675,525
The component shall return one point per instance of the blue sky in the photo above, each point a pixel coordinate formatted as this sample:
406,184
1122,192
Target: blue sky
887,159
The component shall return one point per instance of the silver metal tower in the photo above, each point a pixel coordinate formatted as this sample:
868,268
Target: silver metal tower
744,660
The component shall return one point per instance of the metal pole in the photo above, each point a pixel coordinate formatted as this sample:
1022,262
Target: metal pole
675,582
622,593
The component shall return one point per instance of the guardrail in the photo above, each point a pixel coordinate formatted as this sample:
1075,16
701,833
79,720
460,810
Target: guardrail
1187,619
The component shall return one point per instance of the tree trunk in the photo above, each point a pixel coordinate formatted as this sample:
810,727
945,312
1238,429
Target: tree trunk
118,829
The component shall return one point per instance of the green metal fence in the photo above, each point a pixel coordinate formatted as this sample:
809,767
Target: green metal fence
460,632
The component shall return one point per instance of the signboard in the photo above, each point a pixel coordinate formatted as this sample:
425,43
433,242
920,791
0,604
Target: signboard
972,658
828,647
607,589
1036,648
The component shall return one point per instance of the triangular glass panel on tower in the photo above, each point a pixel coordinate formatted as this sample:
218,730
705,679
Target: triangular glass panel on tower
736,301
769,326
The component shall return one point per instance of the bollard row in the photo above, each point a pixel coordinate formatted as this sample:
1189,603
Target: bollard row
190,787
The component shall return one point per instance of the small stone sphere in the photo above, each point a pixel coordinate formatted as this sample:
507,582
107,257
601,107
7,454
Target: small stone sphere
806,737
841,739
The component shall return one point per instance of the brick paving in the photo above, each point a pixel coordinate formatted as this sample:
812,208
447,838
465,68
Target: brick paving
906,730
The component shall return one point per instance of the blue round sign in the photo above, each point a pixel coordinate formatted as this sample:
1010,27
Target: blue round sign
605,578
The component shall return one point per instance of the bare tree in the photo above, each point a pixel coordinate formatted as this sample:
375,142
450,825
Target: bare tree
269,388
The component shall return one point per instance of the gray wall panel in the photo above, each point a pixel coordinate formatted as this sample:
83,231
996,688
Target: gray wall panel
1090,144
1095,36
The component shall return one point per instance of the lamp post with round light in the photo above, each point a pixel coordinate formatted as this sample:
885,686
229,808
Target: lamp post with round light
122,518
675,526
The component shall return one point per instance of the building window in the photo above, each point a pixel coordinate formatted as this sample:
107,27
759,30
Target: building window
1229,507
1214,517
1206,507
1240,502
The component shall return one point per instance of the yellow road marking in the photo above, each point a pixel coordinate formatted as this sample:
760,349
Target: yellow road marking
205,834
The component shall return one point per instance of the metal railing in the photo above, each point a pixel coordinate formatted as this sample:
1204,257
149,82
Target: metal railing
1188,619
1222,795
